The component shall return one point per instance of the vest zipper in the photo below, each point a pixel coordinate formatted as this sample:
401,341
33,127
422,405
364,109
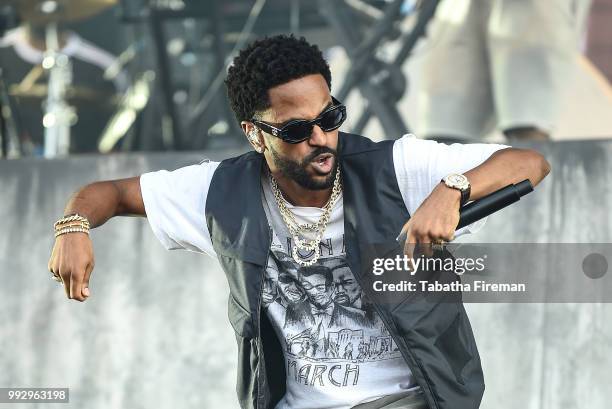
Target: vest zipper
262,361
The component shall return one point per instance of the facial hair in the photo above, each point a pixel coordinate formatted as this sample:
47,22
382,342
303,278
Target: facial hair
296,171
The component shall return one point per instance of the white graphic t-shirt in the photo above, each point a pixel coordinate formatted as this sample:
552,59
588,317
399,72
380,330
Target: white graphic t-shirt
337,351
336,347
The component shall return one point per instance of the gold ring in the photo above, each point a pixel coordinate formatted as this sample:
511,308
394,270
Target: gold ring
438,245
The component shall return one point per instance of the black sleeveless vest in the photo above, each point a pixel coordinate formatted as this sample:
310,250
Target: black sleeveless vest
435,339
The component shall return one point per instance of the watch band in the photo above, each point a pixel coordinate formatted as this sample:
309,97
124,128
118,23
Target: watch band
465,196
465,193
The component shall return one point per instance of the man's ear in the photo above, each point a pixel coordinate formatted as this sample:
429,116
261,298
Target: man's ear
254,136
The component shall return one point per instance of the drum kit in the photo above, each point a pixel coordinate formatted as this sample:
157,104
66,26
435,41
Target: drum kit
58,95
362,28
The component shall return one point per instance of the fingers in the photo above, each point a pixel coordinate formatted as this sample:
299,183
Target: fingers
79,282
65,276
71,263
416,242
85,287
72,280
53,272
411,241
402,235
76,282
50,264
53,264
421,241
425,245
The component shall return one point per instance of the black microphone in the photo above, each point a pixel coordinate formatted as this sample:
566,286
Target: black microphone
493,202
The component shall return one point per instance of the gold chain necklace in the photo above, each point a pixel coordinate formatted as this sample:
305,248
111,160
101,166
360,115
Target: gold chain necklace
296,230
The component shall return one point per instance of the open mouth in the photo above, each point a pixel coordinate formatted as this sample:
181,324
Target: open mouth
323,163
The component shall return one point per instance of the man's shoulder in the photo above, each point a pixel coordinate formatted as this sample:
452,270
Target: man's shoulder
245,158
239,167
351,144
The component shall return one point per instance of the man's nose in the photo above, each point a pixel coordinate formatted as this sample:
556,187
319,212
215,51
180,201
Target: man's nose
318,137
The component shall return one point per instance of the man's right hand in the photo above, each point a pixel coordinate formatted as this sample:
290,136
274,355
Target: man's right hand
72,260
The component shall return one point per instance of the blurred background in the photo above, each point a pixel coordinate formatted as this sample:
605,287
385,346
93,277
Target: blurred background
142,75
103,89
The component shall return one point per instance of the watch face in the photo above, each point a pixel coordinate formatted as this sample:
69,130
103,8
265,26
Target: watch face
457,180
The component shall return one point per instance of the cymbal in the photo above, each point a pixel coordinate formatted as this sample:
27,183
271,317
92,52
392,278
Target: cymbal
42,12
74,94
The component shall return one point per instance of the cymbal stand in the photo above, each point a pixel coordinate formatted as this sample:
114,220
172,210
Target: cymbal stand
9,139
59,116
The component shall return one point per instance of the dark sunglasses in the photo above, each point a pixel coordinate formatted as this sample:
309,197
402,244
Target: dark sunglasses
299,130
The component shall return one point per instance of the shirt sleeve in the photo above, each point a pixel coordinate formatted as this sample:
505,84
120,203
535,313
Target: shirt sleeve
421,164
175,204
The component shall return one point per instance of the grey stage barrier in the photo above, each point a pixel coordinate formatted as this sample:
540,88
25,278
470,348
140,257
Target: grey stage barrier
154,333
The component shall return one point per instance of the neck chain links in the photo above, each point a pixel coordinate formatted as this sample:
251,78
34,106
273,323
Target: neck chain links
296,230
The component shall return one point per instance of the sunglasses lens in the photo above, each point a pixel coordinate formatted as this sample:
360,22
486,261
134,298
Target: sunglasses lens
301,130
298,132
332,119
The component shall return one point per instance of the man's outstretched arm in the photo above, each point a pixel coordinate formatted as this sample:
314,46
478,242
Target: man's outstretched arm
438,215
72,257
100,201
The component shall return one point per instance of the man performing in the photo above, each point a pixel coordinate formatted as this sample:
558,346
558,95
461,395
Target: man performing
311,193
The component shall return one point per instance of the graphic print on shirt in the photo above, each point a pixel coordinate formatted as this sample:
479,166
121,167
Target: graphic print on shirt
328,327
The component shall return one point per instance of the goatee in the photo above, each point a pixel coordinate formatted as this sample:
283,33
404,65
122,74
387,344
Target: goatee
297,170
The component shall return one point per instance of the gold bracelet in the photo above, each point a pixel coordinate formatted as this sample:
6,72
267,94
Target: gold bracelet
71,218
72,224
71,230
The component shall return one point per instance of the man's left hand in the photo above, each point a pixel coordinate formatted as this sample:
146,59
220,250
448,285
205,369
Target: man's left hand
434,221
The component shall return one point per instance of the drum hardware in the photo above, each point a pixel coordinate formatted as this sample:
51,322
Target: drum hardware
53,11
74,94
9,137
58,116
134,101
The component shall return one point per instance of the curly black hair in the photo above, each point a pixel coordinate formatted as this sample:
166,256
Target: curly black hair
267,63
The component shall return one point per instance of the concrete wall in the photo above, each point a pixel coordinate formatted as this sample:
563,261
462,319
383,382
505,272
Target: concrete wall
154,333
